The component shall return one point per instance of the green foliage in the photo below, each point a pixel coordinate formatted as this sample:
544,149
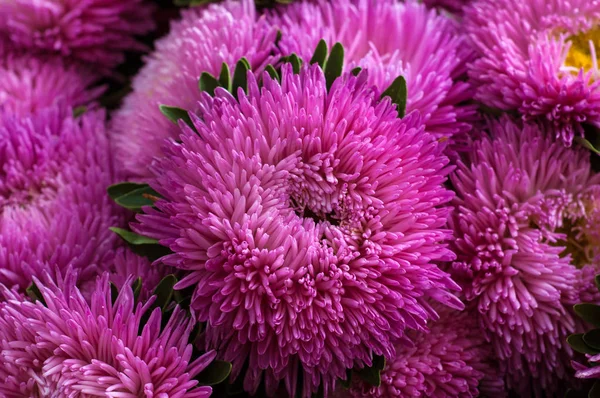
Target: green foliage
586,144
174,114
133,196
398,93
334,64
208,83
80,110
215,373
240,76
588,312
320,55
35,294
371,375
133,238
164,292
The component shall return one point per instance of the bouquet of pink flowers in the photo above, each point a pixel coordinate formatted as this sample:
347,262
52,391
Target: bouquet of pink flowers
299,198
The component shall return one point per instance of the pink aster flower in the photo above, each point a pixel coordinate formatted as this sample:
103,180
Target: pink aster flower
308,222
199,42
71,348
54,210
453,360
519,201
538,57
30,83
93,31
391,38
128,266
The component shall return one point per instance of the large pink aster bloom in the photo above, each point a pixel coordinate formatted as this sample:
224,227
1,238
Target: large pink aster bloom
538,57
54,210
68,347
308,222
94,31
199,42
391,38
520,198
453,360
30,83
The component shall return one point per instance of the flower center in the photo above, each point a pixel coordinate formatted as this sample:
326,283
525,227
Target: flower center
582,54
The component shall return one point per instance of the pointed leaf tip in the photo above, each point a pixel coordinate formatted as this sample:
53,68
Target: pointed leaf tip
207,83
320,55
133,238
334,64
398,93
174,113
215,373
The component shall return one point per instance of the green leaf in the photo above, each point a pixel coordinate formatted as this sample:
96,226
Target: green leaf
398,93
208,83
588,312
240,76
114,292
586,144
356,71
592,338
578,344
123,188
174,113
597,281
296,63
372,374
136,199
320,54
164,291
334,65
80,110
35,294
225,77
215,373
133,238
272,72
137,288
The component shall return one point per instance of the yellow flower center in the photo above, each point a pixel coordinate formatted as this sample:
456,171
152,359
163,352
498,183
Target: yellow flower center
582,54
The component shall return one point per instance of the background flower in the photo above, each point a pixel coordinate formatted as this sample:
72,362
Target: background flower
535,57
94,31
308,222
70,347
519,196
391,38
200,41
452,360
30,83
54,210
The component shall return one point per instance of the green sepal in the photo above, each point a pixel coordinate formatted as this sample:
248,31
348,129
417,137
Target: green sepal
240,76
272,72
372,374
174,113
78,111
398,93
586,144
296,63
334,64
133,238
578,344
320,55
356,71
164,291
35,294
114,292
208,83
588,312
136,287
225,77
592,339
215,373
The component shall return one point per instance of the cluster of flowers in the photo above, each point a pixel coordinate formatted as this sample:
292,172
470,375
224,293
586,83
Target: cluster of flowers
365,198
